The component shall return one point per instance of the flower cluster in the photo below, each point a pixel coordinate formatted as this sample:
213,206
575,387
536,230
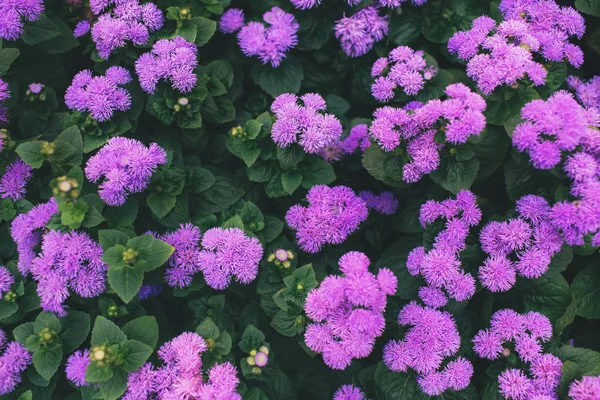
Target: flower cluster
128,20
181,376
587,388
14,13
173,60
306,4
307,124
4,95
332,214
358,138
269,43
127,165
12,183
384,203
440,265
404,68
461,116
6,280
184,263
348,311
26,230
358,33
528,332
525,245
348,392
588,93
432,337
228,253
13,361
150,290
100,96
76,366
68,261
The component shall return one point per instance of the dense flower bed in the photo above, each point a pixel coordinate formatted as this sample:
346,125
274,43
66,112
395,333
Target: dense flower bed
299,199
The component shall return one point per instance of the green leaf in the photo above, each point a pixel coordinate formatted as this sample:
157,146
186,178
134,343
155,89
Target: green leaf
252,217
7,309
405,28
109,238
317,172
290,156
75,329
143,329
219,196
136,354
586,290
95,374
7,57
454,175
30,153
394,258
591,7
73,214
126,282
208,329
26,396
273,228
390,385
577,362
63,151
47,320
114,387
161,203
72,135
105,332
234,222
23,331
286,324
549,295
252,339
200,179
156,255
218,110
206,28
247,150
114,257
39,31
291,180
286,78
337,105
47,359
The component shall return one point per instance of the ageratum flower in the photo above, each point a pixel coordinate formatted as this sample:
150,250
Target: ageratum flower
528,332
184,263
229,253
358,33
332,214
306,124
588,93
4,94
76,366
403,68
150,290
348,392
181,375
68,261
14,13
172,60
440,266
384,203
232,20
26,230
100,96
82,28
127,21
127,165
586,388
13,361
6,281
348,310
431,338
12,183
270,42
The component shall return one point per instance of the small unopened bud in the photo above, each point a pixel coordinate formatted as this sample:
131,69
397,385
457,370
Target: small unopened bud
113,311
10,297
264,349
251,361
253,353
48,148
42,97
184,101
185,13
237,131
177,108
505,352
129,256
256,371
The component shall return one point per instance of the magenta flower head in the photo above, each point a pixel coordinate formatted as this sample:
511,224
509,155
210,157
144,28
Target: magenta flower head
229,253
82,28
13,15
231,21
184,263
357,139
348,392
431,338
403,68
6,281
77,364
384,203
348,310
331,215
13,361
127,165
269,41
4,94
586,388
306,124
588,93
358,33
12,183
150,290
100,96
26,230
172,60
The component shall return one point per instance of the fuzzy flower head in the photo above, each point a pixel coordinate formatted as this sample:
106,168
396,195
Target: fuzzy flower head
348,392
12,183
331,216
13,361
77,364
586,388
307,124
403,68
588,93
150,290
348,310
384,203
4,94
358,138
269,41
100,96
358,33
14,14
184,263
172,60
229,253
6,281
127,165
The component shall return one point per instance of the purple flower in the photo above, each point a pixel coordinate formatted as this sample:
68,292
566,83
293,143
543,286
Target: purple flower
12,183
152,290
82,28
357,139
4,94
384,203
231,21
184,263
13,361
307,124
348,392
173,60
26,230
229,253
332,214
348,310
357,34
14,13
588,93
6,281
514,384
100,96
77,363
127,165
270,42
586,388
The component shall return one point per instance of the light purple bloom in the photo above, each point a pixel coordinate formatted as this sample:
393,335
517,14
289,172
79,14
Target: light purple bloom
13,15
229,253
100,96
127,166
82,28
588,93
13,361
77,364
331,216
358,33
184,263
172,60
6,281
348,310
384,203
586,388
348,392
4,94
231,21
150,290
12,183
357,139
36,88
